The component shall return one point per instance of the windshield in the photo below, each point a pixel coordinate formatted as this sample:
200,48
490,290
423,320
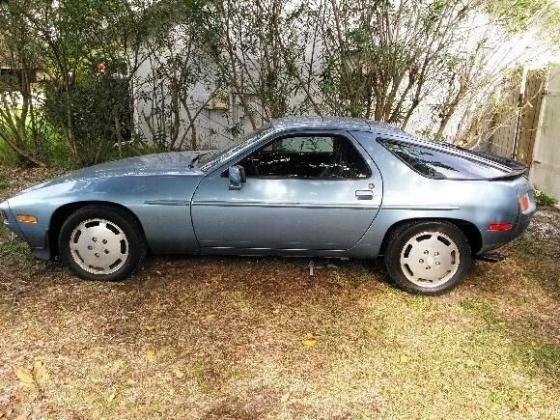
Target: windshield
220,156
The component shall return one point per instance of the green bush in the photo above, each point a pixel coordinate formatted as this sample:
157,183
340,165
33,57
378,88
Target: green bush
7,156
97,105
43,139
543,199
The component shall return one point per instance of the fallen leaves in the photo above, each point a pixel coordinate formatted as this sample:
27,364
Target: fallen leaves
309,341
199,335
34,377
150,355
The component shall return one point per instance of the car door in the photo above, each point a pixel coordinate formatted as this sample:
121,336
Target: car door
303,191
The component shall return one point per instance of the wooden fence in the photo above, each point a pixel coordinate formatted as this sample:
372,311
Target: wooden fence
513,127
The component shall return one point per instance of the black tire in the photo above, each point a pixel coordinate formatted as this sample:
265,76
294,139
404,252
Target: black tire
136,249
401,236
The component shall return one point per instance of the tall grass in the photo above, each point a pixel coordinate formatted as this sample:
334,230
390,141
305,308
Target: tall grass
7,156
43,140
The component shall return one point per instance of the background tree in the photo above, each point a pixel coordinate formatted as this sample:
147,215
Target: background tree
85,45
18,106
390,60
180,71
383,57
249,40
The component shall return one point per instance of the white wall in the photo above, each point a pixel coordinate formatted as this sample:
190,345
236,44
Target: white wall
545,170
214,126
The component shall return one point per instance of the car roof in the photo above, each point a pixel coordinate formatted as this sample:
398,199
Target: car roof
328,123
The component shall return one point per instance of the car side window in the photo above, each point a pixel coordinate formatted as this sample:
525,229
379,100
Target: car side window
309,144
437,164
307,156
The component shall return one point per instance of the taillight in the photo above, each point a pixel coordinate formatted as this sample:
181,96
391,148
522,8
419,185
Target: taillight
500,227
524,202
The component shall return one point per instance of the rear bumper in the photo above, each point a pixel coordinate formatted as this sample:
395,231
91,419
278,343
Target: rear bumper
495,240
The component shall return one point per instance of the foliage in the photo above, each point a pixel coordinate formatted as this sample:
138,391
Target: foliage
39,136
179,62
83,48
98,105
543,199
254,45
379,59
17,102
382,56
519,15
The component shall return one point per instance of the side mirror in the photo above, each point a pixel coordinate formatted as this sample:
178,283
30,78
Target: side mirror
236,177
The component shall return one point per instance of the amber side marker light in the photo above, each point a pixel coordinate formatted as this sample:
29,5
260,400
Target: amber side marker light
27,218
500,227
524,202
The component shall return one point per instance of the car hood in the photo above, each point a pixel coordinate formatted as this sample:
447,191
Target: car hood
175,163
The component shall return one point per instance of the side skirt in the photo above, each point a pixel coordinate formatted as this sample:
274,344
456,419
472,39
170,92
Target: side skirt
328,253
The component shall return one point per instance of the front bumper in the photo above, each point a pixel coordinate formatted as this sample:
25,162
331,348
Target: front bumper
4,209
8,219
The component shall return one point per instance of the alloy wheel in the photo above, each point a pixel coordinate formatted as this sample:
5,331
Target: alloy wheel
430,259
99,246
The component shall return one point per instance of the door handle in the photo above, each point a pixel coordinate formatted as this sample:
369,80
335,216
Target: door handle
364,194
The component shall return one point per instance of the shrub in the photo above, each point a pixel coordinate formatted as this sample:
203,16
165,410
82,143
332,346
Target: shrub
41,140
7,155
98,106
543,199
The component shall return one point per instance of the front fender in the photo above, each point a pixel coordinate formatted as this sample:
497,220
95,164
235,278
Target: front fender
161,203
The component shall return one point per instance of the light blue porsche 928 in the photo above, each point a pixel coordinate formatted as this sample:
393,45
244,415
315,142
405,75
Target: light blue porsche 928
321,187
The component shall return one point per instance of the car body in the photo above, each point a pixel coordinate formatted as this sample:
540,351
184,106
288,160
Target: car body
303,194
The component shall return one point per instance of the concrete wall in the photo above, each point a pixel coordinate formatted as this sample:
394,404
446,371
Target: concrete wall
217,126
217,123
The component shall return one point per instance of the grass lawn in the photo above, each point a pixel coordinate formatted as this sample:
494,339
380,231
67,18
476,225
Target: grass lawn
256,338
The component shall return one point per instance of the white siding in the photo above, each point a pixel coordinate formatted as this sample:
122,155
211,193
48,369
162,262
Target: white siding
545,171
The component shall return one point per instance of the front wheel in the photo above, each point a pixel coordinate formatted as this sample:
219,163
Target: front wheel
101,243
428,257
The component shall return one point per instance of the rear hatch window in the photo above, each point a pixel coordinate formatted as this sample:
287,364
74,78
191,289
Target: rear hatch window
443,164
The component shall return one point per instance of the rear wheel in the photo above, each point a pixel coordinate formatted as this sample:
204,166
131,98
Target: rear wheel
428,257
101,243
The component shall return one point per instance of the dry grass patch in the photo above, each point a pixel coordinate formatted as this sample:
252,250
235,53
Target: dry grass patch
260,338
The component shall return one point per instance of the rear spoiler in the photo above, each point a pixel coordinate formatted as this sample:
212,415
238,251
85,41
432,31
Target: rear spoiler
511,164
514,168
512,175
